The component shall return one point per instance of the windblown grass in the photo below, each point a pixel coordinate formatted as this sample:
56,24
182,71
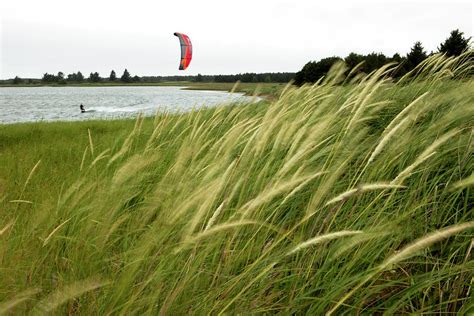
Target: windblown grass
352,198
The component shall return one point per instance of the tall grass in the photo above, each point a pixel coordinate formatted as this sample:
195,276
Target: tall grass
353,198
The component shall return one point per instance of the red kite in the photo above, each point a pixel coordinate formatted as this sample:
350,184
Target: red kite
186,50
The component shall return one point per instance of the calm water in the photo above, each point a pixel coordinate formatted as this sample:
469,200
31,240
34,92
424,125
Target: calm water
20,104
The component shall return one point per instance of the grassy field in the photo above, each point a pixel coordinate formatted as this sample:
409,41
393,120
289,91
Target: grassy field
354,198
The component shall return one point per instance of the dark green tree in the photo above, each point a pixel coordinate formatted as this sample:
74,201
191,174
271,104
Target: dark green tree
313,71
396,58
17,80
416,55
126,76
374,61
72,77
136,78
94,77
49,78
79,77
400,68
60,78
455,44
112,76
353,60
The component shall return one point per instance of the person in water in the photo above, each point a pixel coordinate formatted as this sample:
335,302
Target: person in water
82,108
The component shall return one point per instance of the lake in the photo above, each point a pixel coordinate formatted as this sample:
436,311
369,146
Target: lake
29,104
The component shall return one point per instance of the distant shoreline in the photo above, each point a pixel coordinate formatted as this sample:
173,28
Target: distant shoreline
268,89
105,84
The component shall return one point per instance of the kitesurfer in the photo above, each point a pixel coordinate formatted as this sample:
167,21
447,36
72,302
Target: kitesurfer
82,108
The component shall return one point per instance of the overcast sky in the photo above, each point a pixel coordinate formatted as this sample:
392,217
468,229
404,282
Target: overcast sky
39,36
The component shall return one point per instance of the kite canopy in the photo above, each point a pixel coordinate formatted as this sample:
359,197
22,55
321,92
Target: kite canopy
186,50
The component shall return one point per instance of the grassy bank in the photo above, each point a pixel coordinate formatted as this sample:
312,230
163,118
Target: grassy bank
270,90
331,199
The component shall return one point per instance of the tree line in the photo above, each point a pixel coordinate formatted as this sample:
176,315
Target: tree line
93,77
78,77
454,45
243,77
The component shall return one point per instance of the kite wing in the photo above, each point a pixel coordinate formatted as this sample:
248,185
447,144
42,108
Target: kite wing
186,50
